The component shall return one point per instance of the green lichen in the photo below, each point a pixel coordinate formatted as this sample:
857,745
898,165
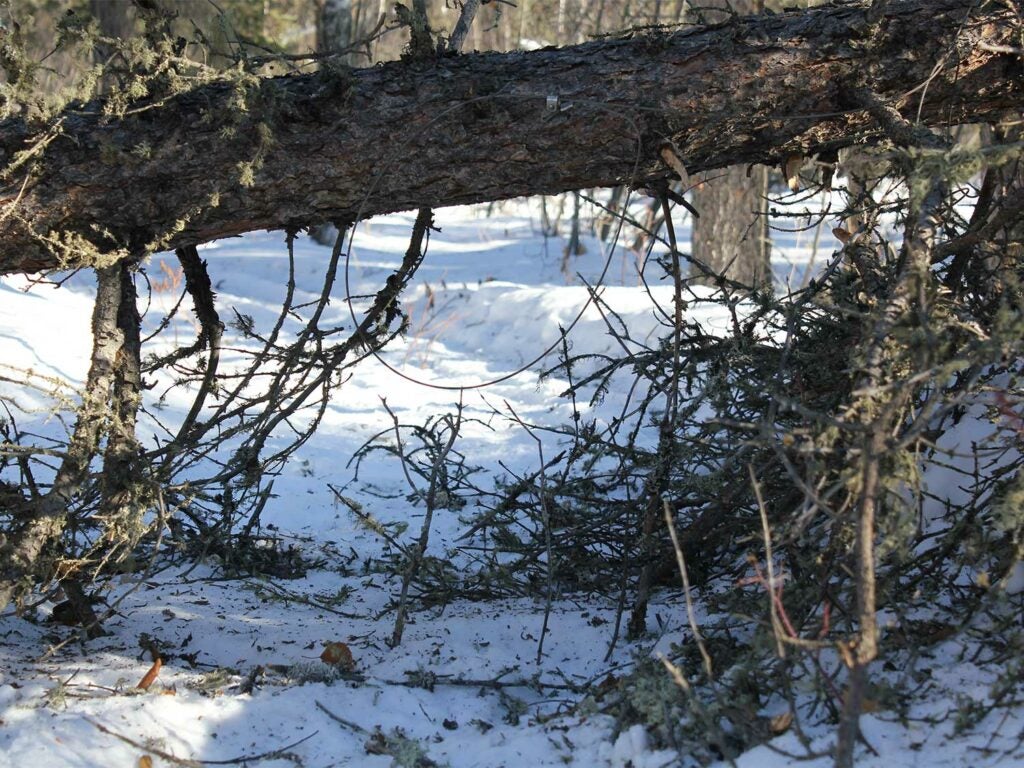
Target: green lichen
1008,508
247,173
72,250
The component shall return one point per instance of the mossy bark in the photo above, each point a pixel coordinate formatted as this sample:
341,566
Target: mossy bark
293,151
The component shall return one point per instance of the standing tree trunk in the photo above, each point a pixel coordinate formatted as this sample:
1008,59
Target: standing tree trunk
333,33
21,555
334,27
116,287
731,235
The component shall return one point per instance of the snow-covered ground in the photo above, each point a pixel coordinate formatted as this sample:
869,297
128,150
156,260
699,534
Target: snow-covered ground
244,681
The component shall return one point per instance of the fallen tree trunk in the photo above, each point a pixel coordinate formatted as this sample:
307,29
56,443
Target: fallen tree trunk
292,151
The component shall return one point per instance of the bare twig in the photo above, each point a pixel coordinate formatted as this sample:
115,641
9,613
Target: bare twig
341,720
274,754
769,564
461,31
691,613
437,472
542,495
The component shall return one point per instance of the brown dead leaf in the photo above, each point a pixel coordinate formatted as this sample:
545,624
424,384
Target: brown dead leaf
870,705
145,762
792,171
339,655
780,723
671,158
847,653
842,235
149,677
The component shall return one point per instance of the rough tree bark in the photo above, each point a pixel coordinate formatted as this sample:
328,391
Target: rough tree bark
482,127
731,235
333,33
